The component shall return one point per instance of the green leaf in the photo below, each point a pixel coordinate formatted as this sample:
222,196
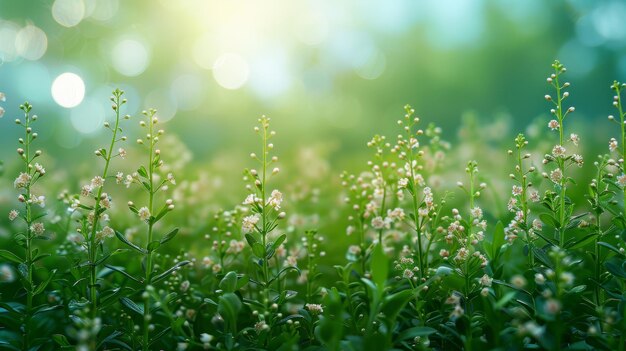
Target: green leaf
582,242
498,238
154,245
43,285
251,240
258,249
131,305
164,275
142,172
505,299
278,241
228,307
8,255
414,332
61,340
548,219
169,236
615,269
229,282
393,304
123,239
123,271
379,267
610,247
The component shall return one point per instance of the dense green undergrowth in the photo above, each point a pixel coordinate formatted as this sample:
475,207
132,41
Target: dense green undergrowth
540,272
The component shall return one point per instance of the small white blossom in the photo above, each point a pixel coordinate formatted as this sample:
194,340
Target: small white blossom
22,180
556,176
13,215
37,228
314,308
249,222
144,213
553,124
612,144
97,182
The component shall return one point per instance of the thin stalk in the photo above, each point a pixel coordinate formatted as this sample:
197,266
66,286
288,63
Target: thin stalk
266,274
146,309
29,249
93,247
560,161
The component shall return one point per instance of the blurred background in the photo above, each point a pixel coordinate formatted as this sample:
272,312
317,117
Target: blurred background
330,74
324,71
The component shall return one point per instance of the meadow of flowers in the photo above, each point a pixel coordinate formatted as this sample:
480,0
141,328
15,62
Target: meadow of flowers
413,251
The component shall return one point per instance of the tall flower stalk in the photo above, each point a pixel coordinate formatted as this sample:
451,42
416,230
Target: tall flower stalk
153,183
30,175
406,149
614,145
559,175
521,196
102,201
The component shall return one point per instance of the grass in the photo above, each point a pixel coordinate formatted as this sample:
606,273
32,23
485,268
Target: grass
426,266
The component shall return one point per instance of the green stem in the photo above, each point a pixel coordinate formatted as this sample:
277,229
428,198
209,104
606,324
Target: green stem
146,310
93,245
29,249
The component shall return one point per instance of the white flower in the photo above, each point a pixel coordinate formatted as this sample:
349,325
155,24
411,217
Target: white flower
574,138
612,144
22,180
122,152
540,279
144,213
556,176
396,214
378,222
314,308
251,199
1,112
291,261
86,190
558,151
37,228
477,212
119,177
486,280
553,124
3,97
578,159
97,182
39,200
408,274
518,281
39,169
129,180
517,190
621,180
105,233
276,198
13,215
206,338
7,275
534,196
249,222
170,178
402,183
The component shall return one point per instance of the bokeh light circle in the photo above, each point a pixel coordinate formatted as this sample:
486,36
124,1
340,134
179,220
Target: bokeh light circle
31,42
130,57
68,90
231,71
68,13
